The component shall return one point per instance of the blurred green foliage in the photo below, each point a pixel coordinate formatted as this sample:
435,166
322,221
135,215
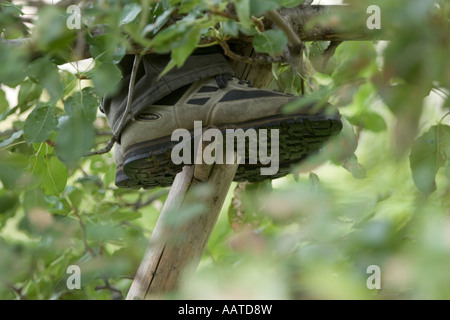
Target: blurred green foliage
378,194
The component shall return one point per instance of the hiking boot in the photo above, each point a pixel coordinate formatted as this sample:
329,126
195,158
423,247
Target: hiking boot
222,102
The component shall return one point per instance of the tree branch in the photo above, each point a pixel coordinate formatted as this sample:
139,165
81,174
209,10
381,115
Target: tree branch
141,204
106,149
296,46
83,230
329,52
116,293
303,21
18,291
293,38
260,59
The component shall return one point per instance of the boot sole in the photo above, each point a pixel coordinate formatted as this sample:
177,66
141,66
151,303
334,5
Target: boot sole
148,164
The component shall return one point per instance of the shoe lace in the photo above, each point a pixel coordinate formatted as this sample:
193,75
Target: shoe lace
223,79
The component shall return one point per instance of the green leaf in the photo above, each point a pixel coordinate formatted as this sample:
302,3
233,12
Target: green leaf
181,39
243,12
46,73
34,198
4,105
14,63
374,122
172,64
84,101
7,113
369,120
129,13
190,41
11,9
447,171
159,23
316,51
107,48
316,98
428,154
230,27
126,215
29,93
55,180
354,167
69,80
11,168
342,147
291,3
76,137
447,103
52,173
43,148
271,41
8,200
106,77
36,167
259,7
187,6
104,232
363,61
51,31
109,176
40,124
172,37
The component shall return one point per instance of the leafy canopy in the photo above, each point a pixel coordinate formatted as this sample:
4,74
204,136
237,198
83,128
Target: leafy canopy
376,195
